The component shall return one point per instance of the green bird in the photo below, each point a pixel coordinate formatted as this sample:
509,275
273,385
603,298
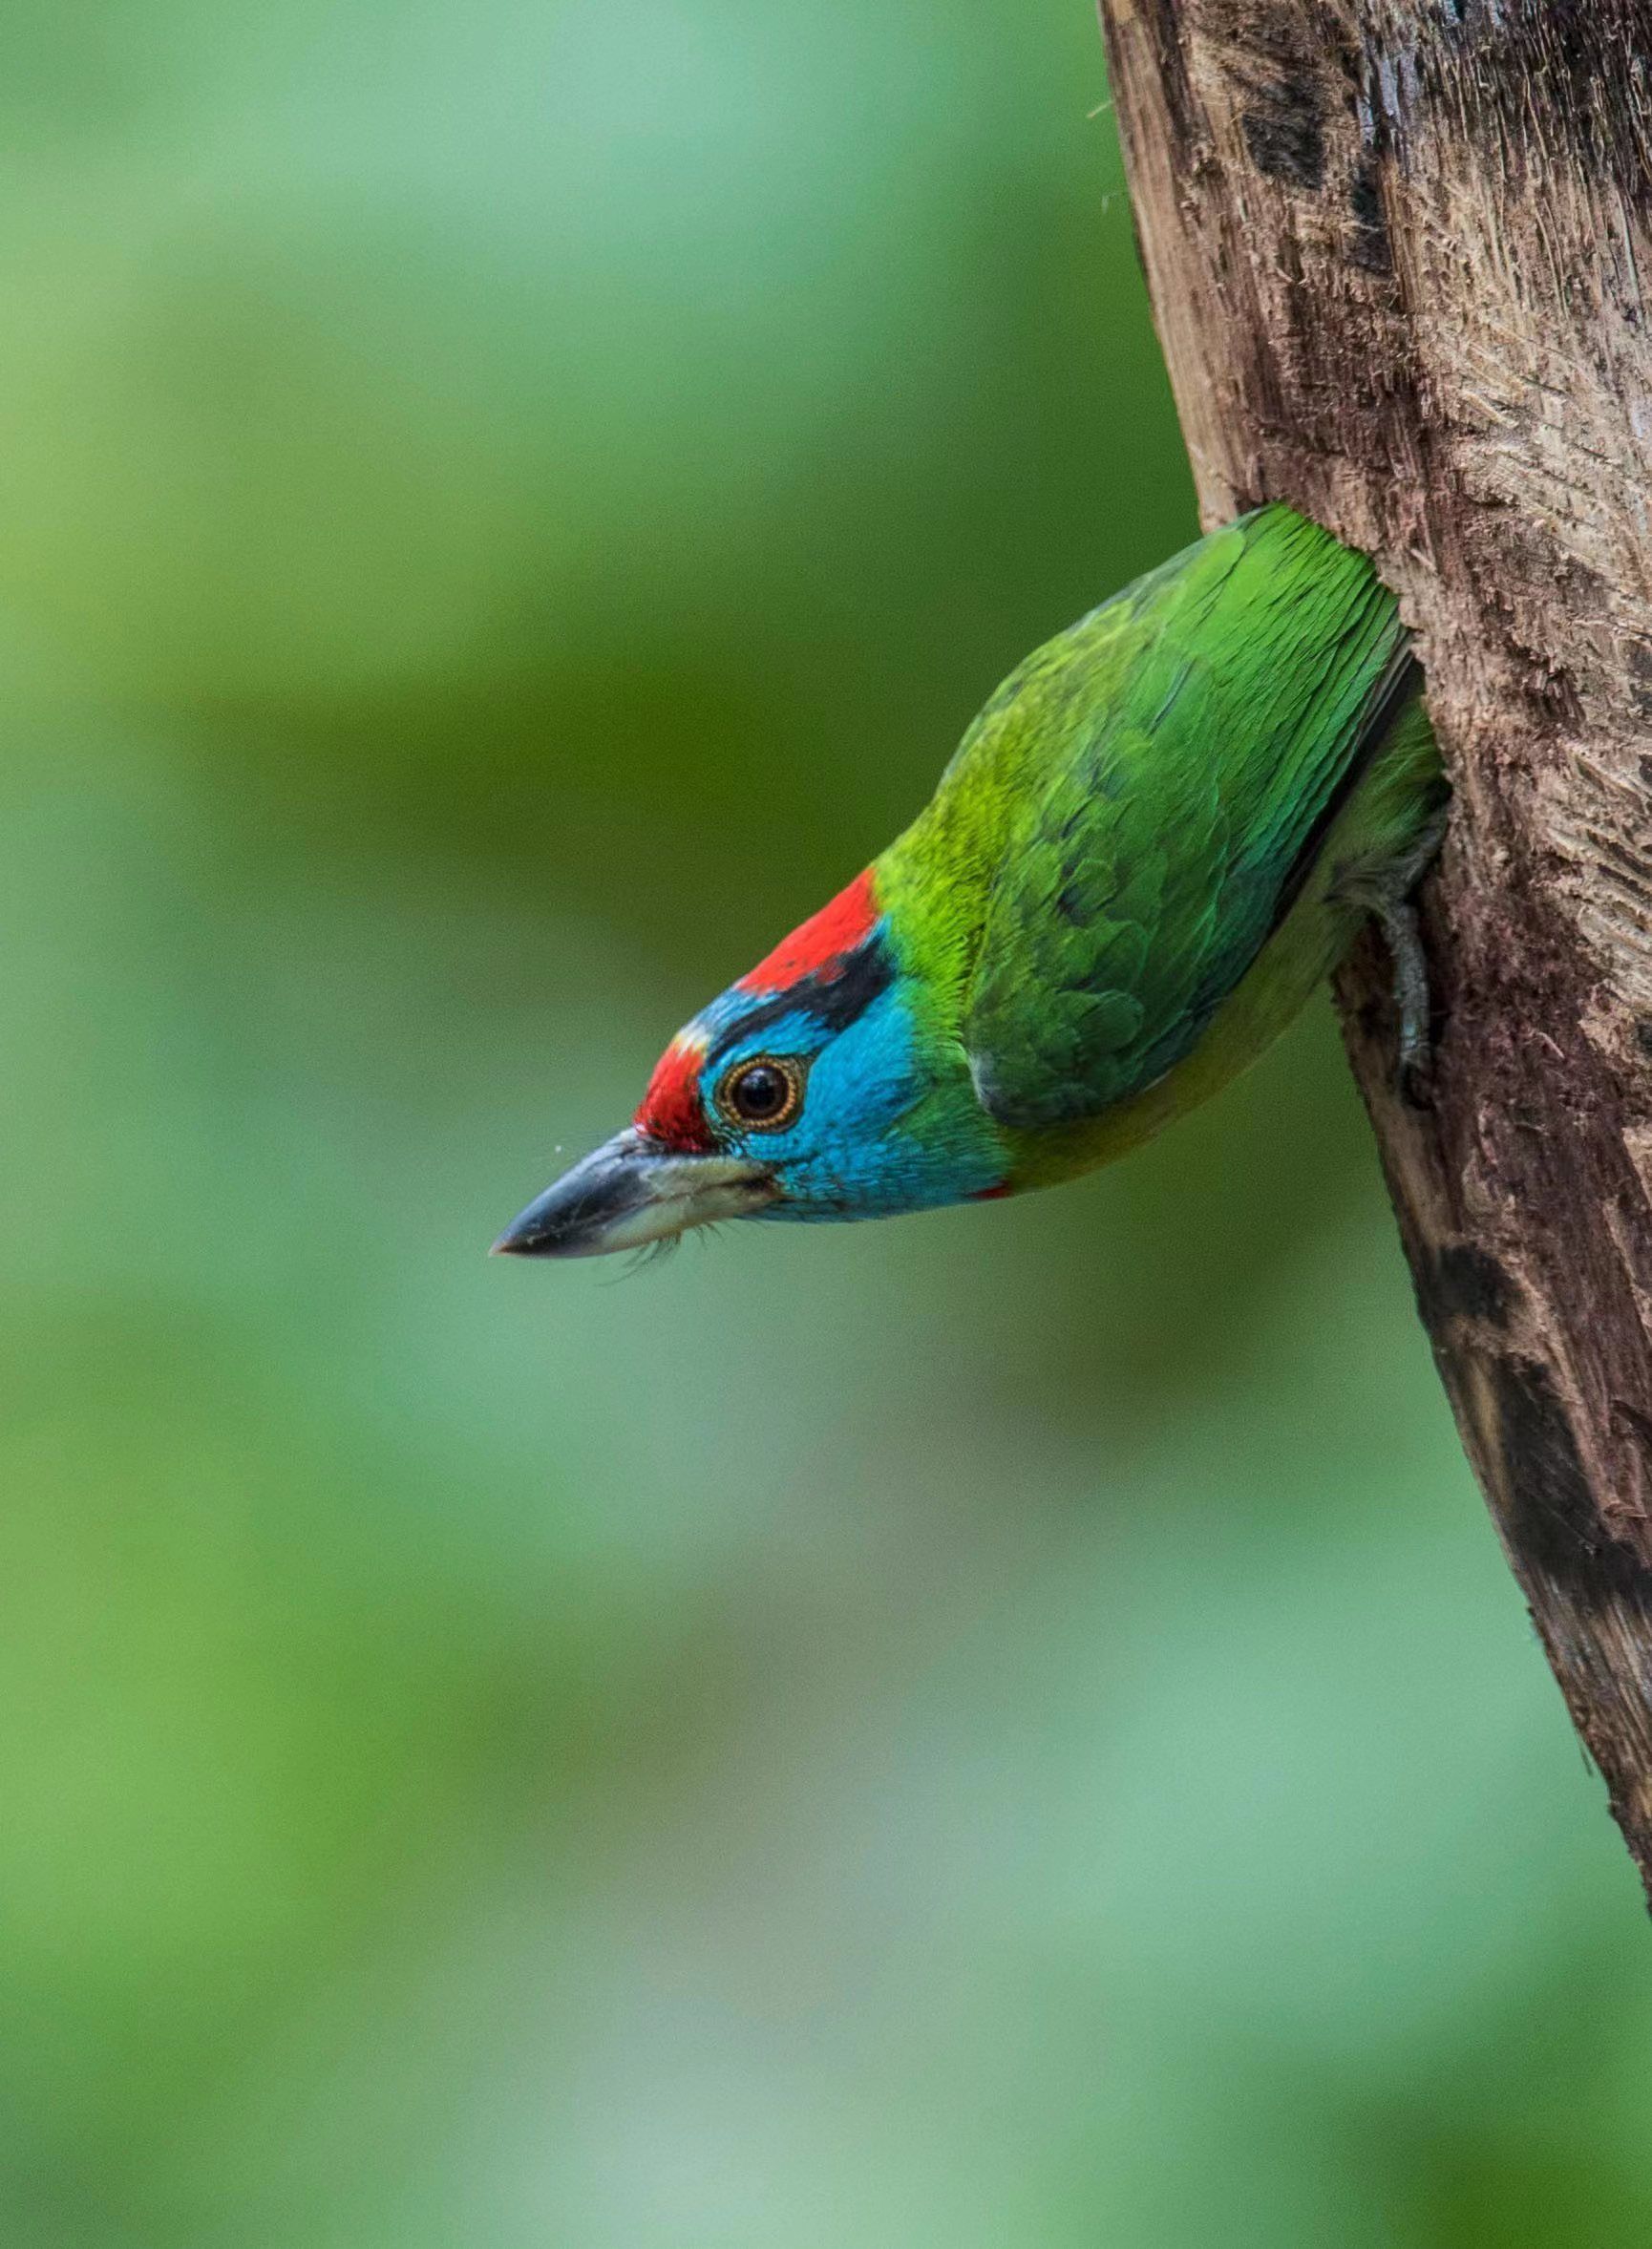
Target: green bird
1157,838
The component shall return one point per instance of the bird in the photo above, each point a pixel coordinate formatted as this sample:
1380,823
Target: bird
1160,836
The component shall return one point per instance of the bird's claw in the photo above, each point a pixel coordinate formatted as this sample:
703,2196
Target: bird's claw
1415,1081
1414,1070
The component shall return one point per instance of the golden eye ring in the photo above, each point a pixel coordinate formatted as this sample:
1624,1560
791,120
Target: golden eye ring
763,1093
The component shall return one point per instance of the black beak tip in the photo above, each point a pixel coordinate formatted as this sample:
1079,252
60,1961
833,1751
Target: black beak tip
573,1215
525,1236
625,1195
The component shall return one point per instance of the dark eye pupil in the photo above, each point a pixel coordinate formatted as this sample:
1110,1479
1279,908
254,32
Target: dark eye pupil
761,1092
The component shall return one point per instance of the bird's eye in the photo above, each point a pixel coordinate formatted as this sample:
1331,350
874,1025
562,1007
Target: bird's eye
762,1095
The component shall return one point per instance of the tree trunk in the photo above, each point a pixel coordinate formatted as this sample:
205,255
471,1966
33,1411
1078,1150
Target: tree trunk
1396,250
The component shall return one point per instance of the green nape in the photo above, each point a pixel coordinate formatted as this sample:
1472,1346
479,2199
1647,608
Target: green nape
1161,834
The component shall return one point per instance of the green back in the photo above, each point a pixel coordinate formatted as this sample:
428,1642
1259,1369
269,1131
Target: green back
1131,814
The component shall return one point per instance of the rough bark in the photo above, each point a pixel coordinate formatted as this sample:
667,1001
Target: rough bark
1396,251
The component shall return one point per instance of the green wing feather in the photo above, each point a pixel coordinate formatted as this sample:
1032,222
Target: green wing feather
1156,783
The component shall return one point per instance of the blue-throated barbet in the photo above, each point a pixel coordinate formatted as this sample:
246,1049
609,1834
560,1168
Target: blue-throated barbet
1158,837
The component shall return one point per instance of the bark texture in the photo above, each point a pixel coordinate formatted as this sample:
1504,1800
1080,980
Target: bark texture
1396,250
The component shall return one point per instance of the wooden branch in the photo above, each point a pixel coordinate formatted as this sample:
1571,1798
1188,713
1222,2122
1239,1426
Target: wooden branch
1397,250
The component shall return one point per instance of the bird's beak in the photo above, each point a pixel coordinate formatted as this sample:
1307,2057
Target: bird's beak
628,1192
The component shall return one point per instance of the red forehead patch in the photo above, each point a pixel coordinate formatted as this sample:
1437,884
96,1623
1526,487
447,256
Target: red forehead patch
812,948
671,1111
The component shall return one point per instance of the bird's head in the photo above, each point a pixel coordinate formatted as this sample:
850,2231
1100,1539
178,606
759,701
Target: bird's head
828,1083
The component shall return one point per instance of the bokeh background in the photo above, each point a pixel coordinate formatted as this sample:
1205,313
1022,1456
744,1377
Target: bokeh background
1003,1730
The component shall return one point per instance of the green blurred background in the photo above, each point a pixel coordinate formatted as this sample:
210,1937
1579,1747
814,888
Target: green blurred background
1003,1730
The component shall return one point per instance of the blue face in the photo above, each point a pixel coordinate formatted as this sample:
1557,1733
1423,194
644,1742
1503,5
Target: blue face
815,1087
849,1149
830,1084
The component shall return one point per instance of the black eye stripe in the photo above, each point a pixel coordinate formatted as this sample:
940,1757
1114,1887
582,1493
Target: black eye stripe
830,1002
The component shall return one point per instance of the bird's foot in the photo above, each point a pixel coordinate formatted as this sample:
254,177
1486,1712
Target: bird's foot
1414,1066
1388,894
